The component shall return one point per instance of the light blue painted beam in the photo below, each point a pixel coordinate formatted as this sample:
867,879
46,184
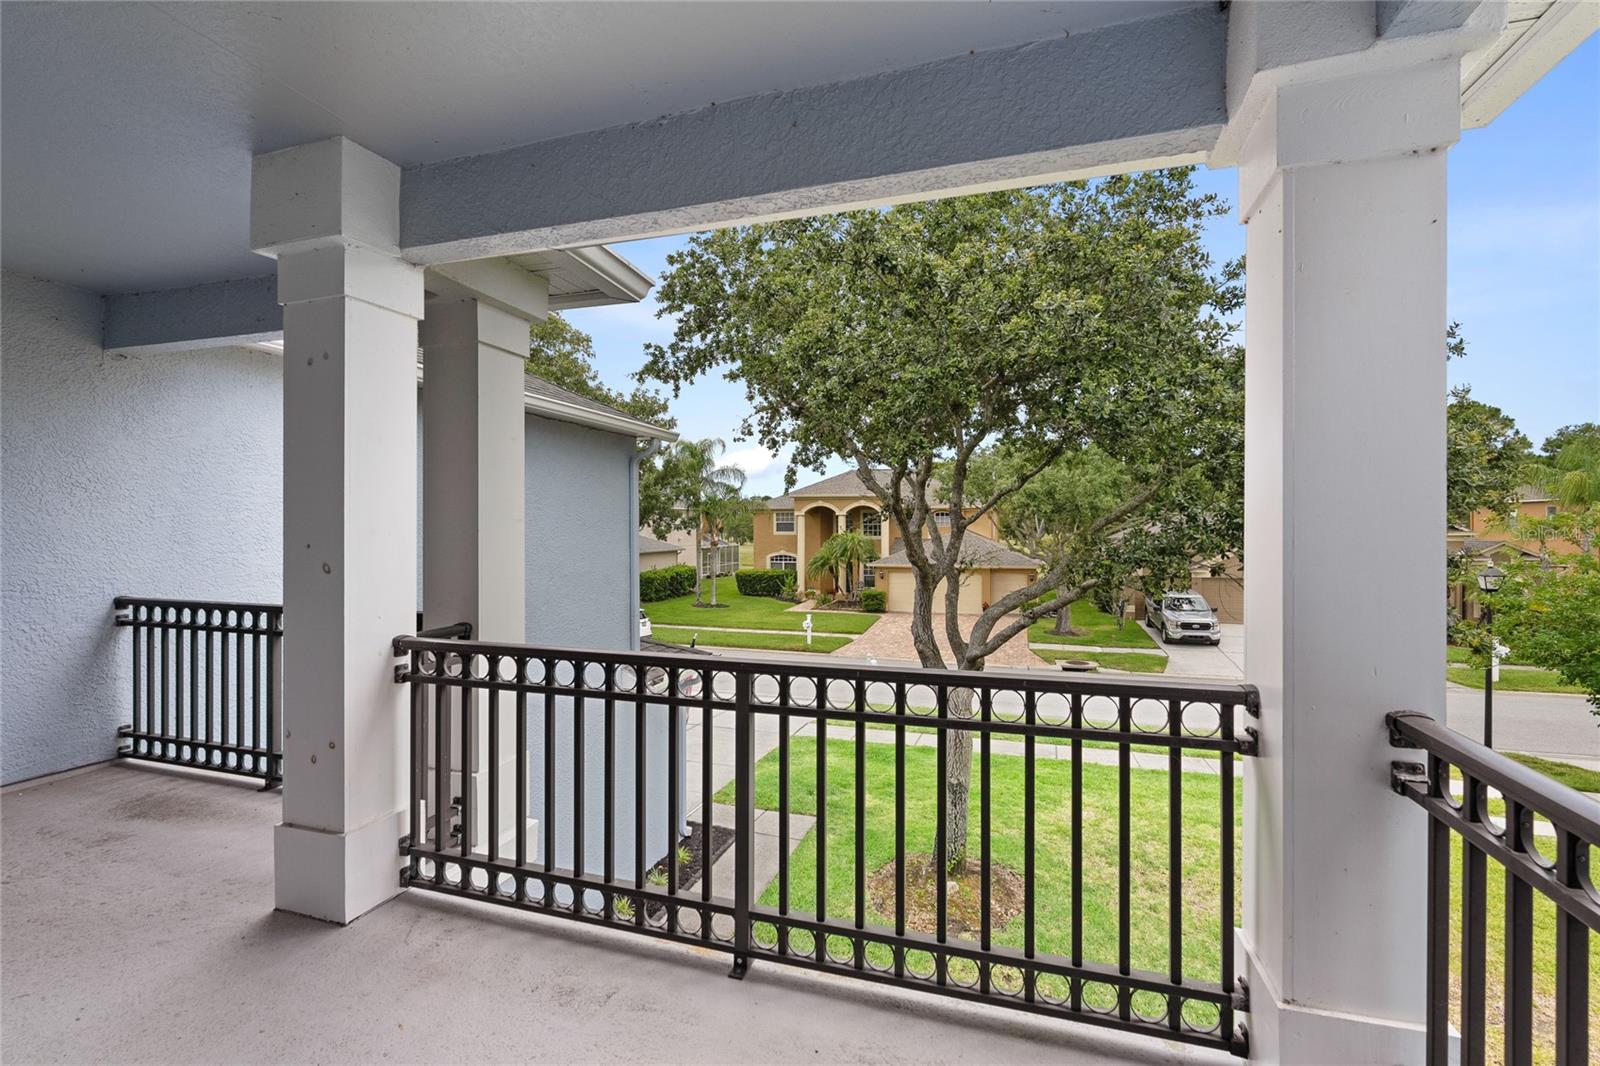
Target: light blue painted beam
203,316
1137,94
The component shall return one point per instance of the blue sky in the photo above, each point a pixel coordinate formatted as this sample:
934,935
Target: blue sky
1524,273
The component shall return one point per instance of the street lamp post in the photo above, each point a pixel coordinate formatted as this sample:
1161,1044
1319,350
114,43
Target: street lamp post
1489,581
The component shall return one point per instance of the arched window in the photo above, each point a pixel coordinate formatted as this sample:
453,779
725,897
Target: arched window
781,561
941,519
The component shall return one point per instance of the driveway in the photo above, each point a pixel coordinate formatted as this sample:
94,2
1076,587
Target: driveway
1226,660
890,641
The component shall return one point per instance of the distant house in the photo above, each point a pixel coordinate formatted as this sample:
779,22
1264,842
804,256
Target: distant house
655,554
792,528
1510,528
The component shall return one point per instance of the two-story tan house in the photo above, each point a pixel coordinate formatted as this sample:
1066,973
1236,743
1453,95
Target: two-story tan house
792,527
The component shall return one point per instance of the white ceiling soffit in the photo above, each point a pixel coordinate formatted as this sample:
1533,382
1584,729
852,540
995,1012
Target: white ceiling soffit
129,127
1538,35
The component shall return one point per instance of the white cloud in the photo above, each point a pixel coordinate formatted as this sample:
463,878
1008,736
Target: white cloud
754,460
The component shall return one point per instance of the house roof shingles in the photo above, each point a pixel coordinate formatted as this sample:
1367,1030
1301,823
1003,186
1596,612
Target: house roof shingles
651,544
846,484
976,551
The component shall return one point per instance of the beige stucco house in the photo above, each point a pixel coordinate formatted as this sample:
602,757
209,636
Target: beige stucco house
655,554
792,527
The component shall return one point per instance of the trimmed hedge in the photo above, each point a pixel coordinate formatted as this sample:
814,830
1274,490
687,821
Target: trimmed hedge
875,601
761,582
666,583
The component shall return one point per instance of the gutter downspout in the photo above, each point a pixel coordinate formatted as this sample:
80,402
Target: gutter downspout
639,458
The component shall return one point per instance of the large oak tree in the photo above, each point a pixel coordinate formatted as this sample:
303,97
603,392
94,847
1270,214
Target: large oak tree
1035,323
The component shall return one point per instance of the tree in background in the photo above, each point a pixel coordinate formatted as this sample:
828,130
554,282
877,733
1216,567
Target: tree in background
741,525
1055,517
908,340
708,494
1486,457
1547,608
1568,466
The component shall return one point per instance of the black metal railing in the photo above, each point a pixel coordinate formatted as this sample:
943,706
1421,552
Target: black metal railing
206,685
1513,816
1100,882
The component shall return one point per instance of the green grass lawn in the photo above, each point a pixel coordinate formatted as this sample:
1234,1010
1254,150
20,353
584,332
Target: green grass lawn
1202,924
1544,977
1455,654
1099,630
751,612
1132,661
1200,857
1528,679
747,556
768,641
1578,777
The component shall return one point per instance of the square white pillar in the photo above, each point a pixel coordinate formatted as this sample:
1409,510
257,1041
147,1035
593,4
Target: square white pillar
329,212
1343,191
473,486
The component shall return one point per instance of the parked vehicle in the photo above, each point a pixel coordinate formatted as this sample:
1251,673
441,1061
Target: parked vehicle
644,624
1183,616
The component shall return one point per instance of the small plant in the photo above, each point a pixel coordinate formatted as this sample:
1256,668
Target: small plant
622,908
824,599
787,590
685,857
657,877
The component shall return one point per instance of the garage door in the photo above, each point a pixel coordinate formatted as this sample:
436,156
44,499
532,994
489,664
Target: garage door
903,591
1226,594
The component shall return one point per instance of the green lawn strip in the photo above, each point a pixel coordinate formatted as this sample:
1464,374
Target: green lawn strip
1131,661
1111,745
1456,654
751,612
1200,854
1525,680
1544,954
767,641
747,556
1578,777
1099,630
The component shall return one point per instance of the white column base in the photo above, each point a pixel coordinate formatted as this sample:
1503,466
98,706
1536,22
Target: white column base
337,876
1291,1033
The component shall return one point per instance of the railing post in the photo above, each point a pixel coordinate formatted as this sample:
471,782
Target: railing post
744,789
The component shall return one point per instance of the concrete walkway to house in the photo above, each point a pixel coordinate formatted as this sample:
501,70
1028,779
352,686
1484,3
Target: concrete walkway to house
138,927
890,639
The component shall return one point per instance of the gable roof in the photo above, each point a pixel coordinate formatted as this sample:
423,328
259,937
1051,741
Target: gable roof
546,398
846,484
651,544
977,552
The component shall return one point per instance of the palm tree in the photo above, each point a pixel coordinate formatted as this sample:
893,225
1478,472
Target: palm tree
842,551
1572,474
710,493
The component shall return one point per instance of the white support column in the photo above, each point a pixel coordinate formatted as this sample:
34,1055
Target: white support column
473,486
329,212
1343,190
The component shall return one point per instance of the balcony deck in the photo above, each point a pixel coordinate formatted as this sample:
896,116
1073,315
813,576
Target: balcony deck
137,925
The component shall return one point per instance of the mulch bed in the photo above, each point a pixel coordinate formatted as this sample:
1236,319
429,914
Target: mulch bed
963,896
689,872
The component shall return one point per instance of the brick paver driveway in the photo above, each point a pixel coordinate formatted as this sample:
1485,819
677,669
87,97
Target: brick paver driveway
890,638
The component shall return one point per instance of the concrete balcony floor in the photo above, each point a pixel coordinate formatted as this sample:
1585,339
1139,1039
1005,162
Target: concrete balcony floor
136,924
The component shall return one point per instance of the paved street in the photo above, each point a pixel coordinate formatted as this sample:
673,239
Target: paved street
1558,726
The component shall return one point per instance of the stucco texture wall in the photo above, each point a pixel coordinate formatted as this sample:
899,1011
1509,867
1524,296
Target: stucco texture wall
148,475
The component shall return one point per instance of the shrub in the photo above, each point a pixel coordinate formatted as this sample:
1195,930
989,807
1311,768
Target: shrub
789,592
874,600
762,582
666,583
823,598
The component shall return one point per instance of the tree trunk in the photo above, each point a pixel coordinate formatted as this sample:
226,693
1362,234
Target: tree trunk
957,781
1064,623
957,767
